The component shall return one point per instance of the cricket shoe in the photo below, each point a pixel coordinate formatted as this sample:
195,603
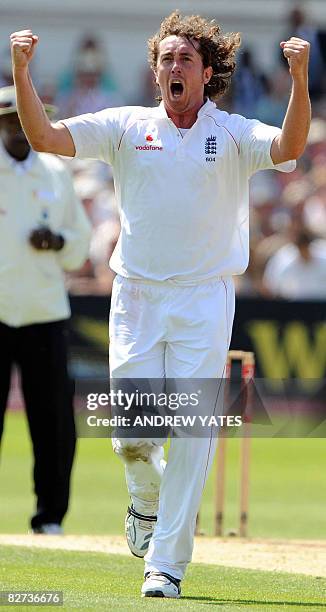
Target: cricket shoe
158,584
139,530
48,529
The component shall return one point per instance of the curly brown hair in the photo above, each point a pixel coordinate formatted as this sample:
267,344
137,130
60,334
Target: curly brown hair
217,50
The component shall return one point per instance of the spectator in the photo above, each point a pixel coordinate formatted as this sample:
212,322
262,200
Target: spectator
148,91
99,202
103,242
248,86
5,69
272,103
299,26
43,231
298,270
89,87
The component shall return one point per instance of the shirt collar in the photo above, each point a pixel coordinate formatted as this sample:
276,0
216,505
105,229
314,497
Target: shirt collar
209,105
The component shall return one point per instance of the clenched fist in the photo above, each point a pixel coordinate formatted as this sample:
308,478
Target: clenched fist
296,51
43,239
23,45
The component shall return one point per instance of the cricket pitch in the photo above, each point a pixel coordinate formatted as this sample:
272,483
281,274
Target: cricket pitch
295,556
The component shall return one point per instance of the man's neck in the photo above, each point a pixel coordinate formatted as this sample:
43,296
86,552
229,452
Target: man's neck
185,119
18,156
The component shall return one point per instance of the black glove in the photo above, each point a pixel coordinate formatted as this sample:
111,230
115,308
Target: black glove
43,239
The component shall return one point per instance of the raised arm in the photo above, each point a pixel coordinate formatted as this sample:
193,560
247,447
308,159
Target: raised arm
291,143
40,132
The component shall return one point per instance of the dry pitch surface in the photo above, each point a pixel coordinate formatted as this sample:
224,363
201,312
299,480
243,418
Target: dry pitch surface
297,556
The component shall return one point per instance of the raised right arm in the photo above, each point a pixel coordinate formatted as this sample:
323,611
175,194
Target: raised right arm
40,132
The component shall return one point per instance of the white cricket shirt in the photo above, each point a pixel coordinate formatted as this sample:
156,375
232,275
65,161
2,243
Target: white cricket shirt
183,199
34,192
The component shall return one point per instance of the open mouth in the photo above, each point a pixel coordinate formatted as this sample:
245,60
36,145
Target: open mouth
176,88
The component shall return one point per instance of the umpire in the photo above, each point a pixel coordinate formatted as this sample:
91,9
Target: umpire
43,232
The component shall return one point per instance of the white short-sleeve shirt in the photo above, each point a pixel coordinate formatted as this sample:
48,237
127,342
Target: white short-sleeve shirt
183,198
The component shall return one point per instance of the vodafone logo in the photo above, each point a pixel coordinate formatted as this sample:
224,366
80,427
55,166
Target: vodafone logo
153,142
148,148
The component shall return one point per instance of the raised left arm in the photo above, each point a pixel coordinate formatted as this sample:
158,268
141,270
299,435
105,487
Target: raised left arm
291,143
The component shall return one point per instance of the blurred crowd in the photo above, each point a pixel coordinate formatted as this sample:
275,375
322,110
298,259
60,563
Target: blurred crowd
288,211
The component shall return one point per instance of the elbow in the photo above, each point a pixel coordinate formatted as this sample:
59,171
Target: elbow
294,153
38,146
44,141
295,149
298,152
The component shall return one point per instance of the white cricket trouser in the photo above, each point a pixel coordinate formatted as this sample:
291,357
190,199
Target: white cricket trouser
168,330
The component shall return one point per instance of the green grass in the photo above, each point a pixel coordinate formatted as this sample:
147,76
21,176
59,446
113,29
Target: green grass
287,487
287,499
105,582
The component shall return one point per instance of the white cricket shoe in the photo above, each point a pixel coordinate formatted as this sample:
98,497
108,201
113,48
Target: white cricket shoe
48,529
161,585
139,530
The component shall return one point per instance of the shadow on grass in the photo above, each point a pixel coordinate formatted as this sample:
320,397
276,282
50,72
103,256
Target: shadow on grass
255,602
